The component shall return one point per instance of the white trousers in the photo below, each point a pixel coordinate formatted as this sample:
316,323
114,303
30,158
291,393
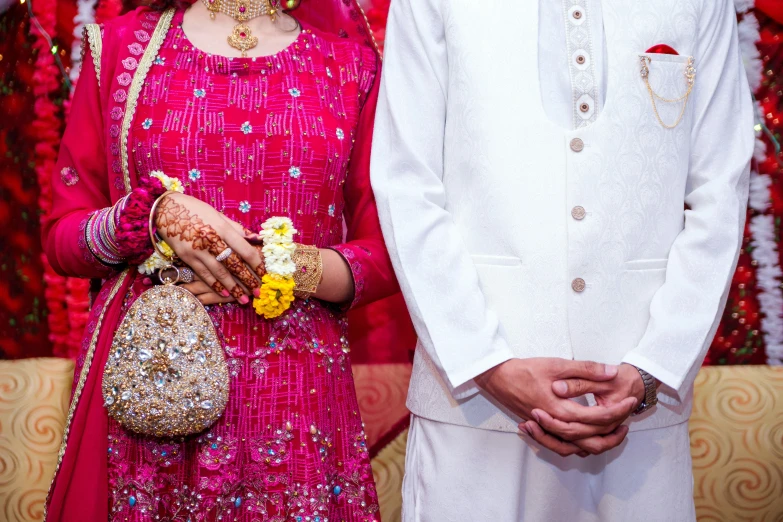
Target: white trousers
454,473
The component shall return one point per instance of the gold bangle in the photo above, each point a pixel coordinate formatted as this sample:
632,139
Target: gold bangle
309,270
152,219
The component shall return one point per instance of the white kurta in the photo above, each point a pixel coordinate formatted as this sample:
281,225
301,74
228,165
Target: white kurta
533,207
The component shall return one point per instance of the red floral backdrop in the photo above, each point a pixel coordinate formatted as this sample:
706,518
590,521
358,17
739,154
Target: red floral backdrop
43,314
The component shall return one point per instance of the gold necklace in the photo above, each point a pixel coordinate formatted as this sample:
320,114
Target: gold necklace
242,10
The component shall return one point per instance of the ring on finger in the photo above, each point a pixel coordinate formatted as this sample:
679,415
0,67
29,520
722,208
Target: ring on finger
224,255
186,275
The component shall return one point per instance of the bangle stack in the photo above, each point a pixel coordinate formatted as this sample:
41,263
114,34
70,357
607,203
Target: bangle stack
101,233
309,270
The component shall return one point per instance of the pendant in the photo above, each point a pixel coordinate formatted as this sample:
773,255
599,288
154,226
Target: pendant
214,7
241,39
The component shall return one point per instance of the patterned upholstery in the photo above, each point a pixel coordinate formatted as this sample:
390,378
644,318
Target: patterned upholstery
736,441
34,395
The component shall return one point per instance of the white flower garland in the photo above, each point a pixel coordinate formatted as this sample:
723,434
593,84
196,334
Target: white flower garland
85,14
768,271
762,225
279,247
748,30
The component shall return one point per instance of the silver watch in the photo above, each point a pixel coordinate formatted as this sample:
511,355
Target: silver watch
650,393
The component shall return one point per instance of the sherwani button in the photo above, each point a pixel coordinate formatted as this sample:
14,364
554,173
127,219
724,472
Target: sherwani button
577,145
578,213
584,107
578,285
580,59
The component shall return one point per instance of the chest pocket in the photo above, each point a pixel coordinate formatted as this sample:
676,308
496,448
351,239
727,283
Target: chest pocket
668,81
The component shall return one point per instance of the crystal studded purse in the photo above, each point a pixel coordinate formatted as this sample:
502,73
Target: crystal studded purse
166,375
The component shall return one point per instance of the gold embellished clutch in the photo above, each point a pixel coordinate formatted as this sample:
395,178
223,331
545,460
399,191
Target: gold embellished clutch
166,374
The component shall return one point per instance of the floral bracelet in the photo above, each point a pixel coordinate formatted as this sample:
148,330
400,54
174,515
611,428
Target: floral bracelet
277,285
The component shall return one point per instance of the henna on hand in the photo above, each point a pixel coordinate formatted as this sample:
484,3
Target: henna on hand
260,270
178,222
238,268
218,287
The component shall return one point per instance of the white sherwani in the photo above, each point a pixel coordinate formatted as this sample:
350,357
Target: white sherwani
533,205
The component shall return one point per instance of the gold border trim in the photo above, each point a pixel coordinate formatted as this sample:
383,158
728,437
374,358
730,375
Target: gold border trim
96,47
80,385
156,40
369,29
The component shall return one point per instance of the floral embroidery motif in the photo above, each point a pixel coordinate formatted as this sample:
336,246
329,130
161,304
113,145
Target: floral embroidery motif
328,72
295,92
330,211
124,79
216,451
69,176
246,128
199,93
130,63
147,124
294,172
356,270
116,113
159,60
340,134
142,36
194,174
120,96
136,49
244,207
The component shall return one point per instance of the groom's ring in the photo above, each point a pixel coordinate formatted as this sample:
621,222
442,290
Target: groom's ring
224,254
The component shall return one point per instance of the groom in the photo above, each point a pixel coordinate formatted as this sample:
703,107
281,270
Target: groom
562,186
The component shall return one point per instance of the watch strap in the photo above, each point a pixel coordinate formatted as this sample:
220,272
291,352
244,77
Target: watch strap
650,392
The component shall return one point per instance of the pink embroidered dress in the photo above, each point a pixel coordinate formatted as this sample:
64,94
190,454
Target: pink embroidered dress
284,135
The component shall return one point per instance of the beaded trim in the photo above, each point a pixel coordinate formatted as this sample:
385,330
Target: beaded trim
80,385
369,29
154,45
96,47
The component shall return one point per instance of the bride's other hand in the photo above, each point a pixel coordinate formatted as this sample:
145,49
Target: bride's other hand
198,234
205,294
336,284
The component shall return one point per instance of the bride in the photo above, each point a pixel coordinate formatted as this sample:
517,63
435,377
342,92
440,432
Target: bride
193,128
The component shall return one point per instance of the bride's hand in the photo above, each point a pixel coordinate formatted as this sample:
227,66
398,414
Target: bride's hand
204,293
198,234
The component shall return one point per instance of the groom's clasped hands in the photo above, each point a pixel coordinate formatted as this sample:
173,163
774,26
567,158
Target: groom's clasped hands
539,390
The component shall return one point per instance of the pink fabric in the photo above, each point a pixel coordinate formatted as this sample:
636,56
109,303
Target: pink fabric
80,486
244,135
133,232
343,18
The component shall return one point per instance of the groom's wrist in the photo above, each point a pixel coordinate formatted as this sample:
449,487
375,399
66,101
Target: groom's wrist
644,390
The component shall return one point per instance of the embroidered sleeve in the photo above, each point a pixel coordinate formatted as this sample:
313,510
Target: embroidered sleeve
364,249
79,183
